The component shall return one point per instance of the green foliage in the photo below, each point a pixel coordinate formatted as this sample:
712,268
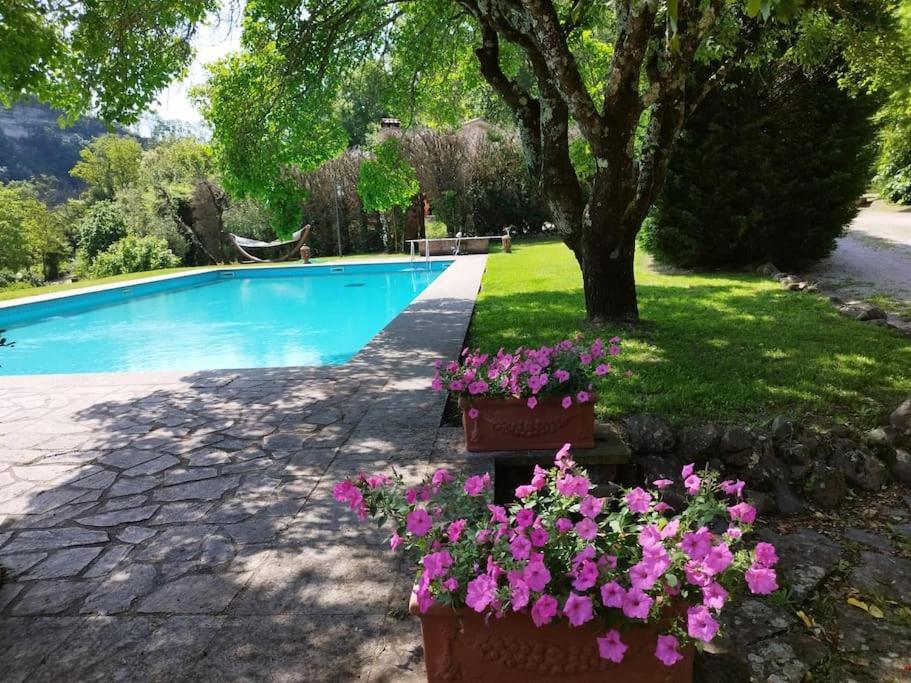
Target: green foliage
175,164
108,165
766,171
387,180
893,176
81,55
247,218
133,254
30,235
101,226
361,101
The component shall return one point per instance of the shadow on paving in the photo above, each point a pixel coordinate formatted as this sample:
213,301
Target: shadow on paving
187,530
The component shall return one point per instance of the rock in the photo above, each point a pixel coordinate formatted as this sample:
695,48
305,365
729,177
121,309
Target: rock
900,418
198,594
697,444
749,620
878,649
55,538
735,439
725,667
861,469
204,489
788,281
650,433
903,530
787,502
120,516
117,592
868,538
836,301
796,454
872,313
901,466
135,534
787,658
862,311
763,502
782,429
765,472
826,486
806,559
64,563
51,597
879,574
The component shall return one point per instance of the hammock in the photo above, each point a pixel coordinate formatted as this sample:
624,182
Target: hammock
298,239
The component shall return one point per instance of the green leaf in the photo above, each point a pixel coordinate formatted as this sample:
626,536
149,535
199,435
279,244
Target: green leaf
753,7
673,11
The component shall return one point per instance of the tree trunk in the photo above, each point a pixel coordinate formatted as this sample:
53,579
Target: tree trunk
610,285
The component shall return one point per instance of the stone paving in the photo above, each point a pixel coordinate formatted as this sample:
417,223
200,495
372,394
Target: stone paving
167,527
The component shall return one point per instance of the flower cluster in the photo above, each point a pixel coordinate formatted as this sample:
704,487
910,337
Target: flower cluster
561,552
567,370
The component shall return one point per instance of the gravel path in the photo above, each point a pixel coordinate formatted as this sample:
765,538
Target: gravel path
874,257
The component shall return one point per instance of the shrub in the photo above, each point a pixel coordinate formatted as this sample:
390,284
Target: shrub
134,254
893,178
768,170
101,226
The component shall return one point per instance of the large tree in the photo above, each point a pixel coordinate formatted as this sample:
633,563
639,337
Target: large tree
623,74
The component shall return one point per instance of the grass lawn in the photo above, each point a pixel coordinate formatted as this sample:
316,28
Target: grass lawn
720,347
17,293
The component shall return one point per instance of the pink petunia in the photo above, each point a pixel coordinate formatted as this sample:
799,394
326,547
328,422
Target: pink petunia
610,646
602,369
636,604
666,650
525,491
520,547
638,500
451,584
538,537
561,376
766,555
563,525
440,477
418,522
586,576
481,592
525,518
455,529
582,397
742,512
662,483
687,470
544,610
692,484
718,558
536,575
591,506
612,594
714,596
566,402
761,580
700,624
437,564
578,609
531,402
732,488
473,413
586,529
474,485
395,540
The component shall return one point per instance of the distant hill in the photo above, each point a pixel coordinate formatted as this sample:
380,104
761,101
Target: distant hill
32,143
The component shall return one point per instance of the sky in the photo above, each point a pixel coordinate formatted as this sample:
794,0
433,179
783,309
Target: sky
212,41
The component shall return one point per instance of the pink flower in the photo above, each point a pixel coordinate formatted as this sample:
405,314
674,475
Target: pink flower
687,470
473,413
525,518
585,358
586,529
536,575
732,488
538,537
436,383
612,594
582,397
700,624
423,596
591,506
571,485
563,525
518,595
761,580
440,477
498,513
544,610
481,592
662,483
395,540
742,512
437,564
478,387
718,559
586,576
525,491
578,609
455,529
733,532
636,604
474,485
451,584
561,376
602,369
456,385
520,547
531,402
697,574
692,484
418,522
766,555
614,350
566,402
666,650
714,596
638,500
611,647
670,529
696,544
662,507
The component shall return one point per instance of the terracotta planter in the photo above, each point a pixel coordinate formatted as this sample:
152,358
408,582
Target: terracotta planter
463,647
508,424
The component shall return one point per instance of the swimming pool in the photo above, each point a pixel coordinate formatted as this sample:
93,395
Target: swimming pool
230,318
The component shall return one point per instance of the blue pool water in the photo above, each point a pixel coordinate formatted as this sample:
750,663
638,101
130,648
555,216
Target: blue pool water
244,318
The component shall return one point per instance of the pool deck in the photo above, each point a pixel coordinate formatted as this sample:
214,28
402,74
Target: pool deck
175,526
